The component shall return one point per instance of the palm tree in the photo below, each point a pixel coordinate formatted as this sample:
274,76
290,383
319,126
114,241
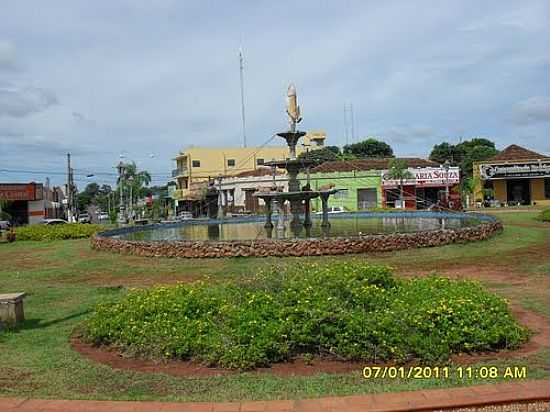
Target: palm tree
398,170
131,178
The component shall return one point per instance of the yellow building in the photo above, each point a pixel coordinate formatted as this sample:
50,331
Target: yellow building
516,176
198,164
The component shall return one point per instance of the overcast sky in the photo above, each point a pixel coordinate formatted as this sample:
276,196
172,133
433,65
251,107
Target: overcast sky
148,78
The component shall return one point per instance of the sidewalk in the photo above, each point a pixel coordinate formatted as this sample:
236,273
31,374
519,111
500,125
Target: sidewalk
499,394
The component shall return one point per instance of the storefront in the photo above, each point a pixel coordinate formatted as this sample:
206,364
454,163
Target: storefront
516,176
429,187
30,203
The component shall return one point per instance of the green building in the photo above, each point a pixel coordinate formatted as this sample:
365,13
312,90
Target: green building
368,185
364,189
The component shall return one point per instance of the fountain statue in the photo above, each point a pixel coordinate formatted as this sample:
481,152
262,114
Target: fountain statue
299,198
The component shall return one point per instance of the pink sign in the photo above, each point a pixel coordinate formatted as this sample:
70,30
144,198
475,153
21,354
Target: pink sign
426,177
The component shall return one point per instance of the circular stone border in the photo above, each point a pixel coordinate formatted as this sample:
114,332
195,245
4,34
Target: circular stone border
488,227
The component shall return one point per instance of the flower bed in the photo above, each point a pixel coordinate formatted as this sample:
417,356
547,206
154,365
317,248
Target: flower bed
345,311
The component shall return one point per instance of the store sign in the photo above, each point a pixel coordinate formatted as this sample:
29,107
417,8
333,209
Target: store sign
426,177
16,191
501,171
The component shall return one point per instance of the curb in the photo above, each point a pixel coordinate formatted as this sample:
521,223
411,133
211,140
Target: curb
423,400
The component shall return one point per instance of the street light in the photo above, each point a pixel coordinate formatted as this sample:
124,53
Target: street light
446,167
131,203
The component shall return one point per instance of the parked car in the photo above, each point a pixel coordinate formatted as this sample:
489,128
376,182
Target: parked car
84,218
54,222
185,216
332,210
103,217
5,225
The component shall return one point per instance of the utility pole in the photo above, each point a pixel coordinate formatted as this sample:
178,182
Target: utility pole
352,124
69,191
346,123
241,68
220,197
131,203
121,217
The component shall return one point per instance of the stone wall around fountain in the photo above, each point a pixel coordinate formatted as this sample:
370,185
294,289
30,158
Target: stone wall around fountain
298,247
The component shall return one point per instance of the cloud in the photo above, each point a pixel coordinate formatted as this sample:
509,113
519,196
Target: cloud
535,109
15,143
408,134
24,101
8,59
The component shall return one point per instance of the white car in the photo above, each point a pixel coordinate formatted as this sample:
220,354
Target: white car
84,218
54,222
332,210
102,217
185,216
5,225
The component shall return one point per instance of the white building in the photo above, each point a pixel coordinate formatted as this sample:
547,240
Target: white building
238,191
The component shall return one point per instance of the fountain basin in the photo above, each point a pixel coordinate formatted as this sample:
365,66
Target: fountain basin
361,232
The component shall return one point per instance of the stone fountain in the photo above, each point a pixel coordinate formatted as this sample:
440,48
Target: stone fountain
299,198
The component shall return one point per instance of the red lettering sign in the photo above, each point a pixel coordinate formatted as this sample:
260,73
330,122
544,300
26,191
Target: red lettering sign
15,191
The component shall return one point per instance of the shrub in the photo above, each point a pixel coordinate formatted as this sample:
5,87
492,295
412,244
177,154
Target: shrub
56,232
348,311
545,215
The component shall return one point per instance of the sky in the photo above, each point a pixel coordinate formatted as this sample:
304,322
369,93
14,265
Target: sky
145,79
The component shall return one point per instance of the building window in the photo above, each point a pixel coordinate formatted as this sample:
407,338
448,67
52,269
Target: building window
196,163
547,188
259,162
343,194
230,162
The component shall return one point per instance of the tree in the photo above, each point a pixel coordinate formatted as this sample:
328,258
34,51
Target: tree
476,154
464,154
326,154
398,170
133,182
88,196
369,148
446,151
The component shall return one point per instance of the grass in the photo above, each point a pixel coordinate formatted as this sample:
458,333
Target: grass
66,279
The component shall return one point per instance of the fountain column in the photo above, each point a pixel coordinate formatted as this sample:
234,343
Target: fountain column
268,213
307,213
294,186
324,203
281,215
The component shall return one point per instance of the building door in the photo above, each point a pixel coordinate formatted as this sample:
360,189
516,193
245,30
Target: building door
519,191
367,199
251,202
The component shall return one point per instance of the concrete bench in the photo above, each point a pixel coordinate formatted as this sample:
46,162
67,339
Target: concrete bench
11,308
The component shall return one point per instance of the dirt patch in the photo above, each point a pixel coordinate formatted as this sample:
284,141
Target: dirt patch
301,367
298,367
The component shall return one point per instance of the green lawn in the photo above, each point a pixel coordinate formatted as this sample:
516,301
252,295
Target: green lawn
65,279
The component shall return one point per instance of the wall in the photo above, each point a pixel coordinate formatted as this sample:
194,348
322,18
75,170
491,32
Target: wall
501,193
241,183
36,211
214,160
537,192
298,247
